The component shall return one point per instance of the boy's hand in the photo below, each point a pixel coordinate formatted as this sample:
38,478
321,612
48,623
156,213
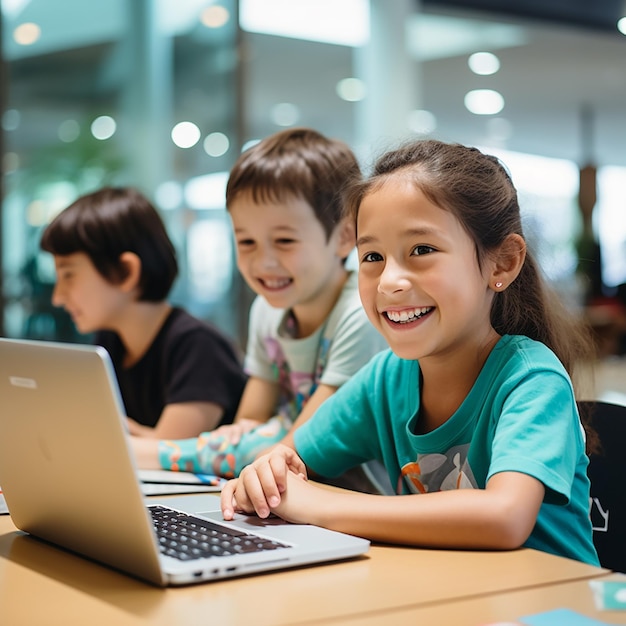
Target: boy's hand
234,432
260,485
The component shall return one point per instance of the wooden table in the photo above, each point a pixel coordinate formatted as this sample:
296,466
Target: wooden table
41,584
498,609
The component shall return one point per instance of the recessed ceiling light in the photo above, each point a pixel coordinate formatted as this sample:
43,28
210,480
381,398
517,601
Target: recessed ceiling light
484,102
351,89
483,63
27,34
216,144
103,127
185,134
214,16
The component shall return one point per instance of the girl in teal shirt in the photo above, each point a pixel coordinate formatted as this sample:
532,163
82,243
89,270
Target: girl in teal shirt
472,411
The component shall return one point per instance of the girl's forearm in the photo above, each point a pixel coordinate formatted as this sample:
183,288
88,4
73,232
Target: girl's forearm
471,518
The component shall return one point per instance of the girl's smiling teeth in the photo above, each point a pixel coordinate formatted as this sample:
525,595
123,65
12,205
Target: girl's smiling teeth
409,315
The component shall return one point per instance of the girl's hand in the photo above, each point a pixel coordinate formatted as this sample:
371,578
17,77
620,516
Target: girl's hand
261,484
302,500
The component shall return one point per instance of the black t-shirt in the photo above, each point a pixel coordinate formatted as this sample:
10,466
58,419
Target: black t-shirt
189,361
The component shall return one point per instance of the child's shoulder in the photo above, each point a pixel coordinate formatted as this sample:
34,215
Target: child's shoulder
521,351
180,324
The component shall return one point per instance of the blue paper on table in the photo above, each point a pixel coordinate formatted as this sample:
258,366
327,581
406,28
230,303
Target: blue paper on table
560,617
609,595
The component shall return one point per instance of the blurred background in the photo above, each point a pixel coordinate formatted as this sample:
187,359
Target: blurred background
164,94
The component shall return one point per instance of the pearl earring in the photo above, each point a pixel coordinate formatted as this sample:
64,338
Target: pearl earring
498,285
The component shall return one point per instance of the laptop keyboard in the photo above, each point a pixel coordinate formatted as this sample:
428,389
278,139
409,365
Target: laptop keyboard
186,537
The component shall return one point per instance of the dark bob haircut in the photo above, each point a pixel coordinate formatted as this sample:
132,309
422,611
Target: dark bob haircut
109,222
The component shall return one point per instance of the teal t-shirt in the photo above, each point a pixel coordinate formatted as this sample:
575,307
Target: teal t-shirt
519,416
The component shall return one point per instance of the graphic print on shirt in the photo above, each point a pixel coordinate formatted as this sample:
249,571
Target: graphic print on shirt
295,387
438,472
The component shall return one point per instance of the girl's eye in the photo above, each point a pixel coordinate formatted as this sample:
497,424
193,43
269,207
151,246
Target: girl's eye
285,242
371,257
422,249
245,243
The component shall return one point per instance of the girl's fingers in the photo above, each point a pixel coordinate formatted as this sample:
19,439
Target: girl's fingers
250,492
227,499
278,467
273,480
260,484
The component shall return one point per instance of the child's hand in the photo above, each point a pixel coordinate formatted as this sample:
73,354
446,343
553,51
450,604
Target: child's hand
234,432
260,484
301,500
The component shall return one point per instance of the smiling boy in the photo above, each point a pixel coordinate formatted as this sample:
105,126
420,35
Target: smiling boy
308,332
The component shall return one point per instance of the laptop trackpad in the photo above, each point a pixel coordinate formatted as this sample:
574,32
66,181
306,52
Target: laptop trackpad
247,521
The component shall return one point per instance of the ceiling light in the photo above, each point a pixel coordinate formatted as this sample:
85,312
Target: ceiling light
351,89
344,23
216,144
483,63
484,102
103,127
27,34
185,134
215,16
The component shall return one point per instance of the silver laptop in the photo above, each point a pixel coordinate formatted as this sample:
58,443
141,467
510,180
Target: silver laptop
69,477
